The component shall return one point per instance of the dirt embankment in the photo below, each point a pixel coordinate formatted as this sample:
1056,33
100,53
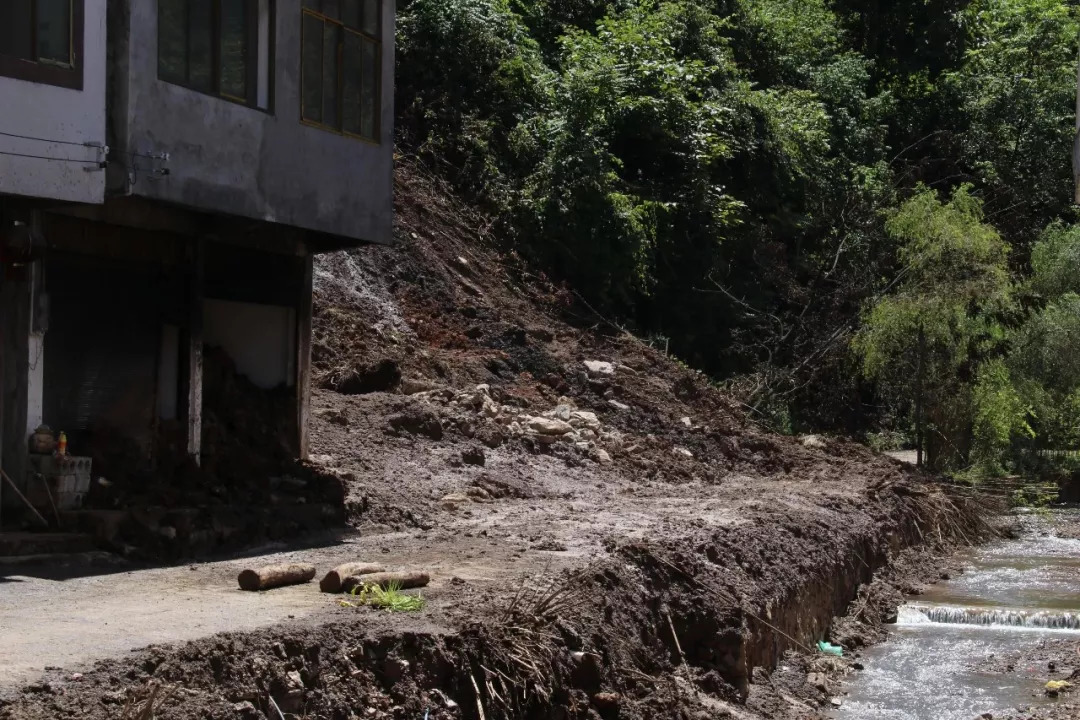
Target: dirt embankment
647,552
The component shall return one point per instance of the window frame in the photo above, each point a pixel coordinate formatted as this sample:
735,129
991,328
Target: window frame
252,58
46,73
376,138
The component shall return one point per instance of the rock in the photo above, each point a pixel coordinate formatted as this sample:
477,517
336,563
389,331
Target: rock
587,434
474,456
682,451
246,710
453,501
599,368
618,405
583,418
490,408
483,388
549,426
606,700
687,422
412,386
562,412
836,702
812,441
548,439
602,456
818,680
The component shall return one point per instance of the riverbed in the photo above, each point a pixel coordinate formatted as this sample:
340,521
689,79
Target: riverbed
985,641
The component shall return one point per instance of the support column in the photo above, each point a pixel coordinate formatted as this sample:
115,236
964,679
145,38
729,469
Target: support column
16,292
303,358
193,360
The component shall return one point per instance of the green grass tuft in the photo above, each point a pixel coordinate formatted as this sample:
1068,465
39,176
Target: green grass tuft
390,598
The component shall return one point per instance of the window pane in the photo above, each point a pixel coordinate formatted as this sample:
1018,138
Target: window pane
330,76
15,30
370,22
350,101
172,49
350,13
234,48
54,31
332,9
200,45
312,69
369,92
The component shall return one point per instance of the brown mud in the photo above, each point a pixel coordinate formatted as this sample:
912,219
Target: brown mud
638,548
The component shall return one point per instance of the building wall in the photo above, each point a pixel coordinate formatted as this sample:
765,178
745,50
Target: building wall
55,117
229,158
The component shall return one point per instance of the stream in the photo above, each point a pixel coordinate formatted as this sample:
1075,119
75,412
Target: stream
977,643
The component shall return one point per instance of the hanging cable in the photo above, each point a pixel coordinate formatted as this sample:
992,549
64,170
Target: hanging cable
46,140
44,157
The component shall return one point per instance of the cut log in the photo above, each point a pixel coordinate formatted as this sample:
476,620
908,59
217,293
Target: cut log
332,582
273,576
404,580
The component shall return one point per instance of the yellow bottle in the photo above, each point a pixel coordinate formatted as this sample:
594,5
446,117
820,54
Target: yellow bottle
61,445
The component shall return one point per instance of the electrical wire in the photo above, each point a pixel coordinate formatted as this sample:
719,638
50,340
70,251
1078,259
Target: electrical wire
45,140
44,157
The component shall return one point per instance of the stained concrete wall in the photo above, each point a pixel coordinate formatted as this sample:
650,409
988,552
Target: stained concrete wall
228,158
55,121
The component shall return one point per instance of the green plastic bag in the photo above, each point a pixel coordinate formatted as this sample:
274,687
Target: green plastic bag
830,649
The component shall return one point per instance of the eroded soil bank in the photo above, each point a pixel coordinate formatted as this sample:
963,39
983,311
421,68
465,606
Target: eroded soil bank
615,537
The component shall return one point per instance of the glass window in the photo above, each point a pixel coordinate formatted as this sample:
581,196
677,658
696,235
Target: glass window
41,40
54,31
213,46
341,66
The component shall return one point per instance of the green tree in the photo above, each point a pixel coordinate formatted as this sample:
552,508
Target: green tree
923,342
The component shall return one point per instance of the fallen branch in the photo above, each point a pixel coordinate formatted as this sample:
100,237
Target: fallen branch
273,576
403,580
331,583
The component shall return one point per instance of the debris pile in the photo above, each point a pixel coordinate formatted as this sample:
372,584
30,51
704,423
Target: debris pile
477,414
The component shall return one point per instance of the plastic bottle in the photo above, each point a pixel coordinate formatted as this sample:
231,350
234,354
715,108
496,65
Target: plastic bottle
61,445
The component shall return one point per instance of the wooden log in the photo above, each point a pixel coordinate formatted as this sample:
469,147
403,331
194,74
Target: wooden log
331,583
404,580
273,576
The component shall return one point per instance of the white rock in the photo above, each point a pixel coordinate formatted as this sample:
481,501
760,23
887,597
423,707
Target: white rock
491,408
618,405
687,422
599,367
683,451
602,456
549,426
483,388
812,441
583,418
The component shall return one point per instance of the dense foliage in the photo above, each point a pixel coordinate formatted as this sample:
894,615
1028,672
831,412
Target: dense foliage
786,192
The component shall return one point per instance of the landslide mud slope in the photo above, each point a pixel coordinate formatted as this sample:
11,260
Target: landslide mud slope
623,541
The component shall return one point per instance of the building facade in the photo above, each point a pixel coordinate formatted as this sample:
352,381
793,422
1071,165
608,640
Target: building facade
168,168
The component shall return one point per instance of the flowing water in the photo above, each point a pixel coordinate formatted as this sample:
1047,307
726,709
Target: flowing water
944,657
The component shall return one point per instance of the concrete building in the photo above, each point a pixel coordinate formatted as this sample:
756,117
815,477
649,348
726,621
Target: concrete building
168,168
